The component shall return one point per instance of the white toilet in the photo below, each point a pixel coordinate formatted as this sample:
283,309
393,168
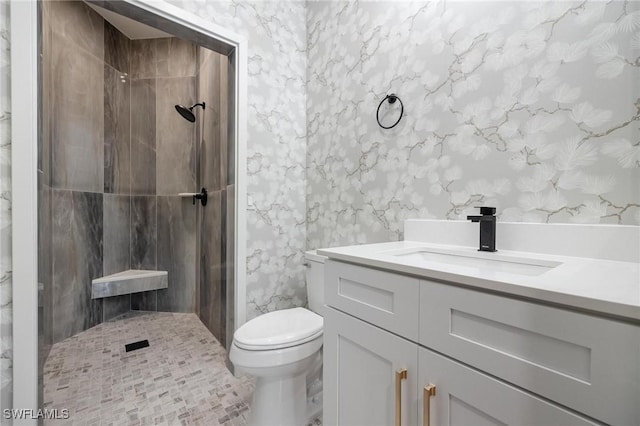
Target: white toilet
282,349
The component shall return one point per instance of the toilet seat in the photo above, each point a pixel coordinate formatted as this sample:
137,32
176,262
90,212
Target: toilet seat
279,329
250,347
271,362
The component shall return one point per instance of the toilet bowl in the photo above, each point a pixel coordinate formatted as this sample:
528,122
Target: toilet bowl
282,349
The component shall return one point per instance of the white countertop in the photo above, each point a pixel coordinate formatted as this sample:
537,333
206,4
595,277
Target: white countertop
604,286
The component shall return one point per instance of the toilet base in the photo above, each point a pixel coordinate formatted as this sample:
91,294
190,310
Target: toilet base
278,401
314,393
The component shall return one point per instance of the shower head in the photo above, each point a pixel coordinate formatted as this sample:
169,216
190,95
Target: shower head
187,112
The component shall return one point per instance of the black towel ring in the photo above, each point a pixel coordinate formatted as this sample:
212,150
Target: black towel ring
392,99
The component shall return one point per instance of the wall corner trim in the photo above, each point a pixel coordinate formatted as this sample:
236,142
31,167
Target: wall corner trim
24,135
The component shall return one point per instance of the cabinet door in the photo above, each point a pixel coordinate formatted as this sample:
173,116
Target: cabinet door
360,366
587,363
464,396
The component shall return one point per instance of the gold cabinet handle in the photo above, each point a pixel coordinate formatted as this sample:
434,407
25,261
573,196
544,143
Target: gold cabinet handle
401,374
429,391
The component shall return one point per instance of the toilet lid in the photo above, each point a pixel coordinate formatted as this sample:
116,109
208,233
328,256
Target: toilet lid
279,329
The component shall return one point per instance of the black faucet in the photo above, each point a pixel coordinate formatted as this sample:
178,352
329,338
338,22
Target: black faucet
487,221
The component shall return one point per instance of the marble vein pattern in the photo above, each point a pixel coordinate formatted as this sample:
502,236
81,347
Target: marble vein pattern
175,150
117,49
210,276
212,282
143,135
45,276
531,107
143,58
6,307
276,145
211,162
77,99
117,132
117,231
77,256
80,25
128,282
143,232
181,378
176,252
175,58
45,255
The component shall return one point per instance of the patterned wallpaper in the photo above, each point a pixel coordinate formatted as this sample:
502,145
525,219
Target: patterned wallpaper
276,146
6,344
532,107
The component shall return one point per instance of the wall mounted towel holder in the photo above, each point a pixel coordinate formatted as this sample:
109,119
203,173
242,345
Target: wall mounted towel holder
392,100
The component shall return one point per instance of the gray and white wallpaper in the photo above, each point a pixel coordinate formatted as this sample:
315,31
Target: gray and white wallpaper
532,107
276,146
6,318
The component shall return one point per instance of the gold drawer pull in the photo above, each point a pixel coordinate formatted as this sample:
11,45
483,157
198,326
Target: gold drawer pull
401,374
429,391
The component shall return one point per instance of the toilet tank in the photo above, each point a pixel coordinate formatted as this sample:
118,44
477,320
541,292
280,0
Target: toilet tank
314,275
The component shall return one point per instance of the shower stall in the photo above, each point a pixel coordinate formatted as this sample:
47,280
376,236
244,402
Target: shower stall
115,160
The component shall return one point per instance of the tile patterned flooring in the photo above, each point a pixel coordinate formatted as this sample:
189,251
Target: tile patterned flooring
180,379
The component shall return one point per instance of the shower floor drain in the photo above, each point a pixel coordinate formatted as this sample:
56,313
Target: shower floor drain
136,345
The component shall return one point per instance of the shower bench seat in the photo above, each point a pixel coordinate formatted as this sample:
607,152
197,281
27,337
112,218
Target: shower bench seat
127,282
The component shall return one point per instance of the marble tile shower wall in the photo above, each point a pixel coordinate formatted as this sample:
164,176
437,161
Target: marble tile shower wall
71,163
211,137
114,155
276,144
6,309
116,201
163,159
529,106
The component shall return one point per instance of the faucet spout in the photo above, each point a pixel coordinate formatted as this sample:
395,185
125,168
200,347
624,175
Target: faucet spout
487,221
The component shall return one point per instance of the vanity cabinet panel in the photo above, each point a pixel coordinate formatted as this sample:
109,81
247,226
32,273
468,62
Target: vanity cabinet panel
387,300
360,367
464,396
586,363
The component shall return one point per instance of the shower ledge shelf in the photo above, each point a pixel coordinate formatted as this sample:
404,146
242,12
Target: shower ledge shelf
127,282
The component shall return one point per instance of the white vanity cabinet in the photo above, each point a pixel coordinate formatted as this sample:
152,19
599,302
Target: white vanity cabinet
492,359
363,365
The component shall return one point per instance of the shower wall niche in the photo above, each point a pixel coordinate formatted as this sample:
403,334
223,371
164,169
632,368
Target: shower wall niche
114,155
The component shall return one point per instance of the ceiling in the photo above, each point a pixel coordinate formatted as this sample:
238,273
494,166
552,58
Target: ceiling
130,28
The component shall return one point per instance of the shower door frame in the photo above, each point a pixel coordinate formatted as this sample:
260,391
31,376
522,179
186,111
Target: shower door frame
24,105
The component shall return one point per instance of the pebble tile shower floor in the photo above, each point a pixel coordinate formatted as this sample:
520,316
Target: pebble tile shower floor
179,379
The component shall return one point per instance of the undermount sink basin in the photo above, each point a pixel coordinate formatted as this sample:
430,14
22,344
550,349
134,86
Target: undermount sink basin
479,260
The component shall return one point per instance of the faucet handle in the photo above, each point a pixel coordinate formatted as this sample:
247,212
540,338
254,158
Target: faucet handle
490,211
